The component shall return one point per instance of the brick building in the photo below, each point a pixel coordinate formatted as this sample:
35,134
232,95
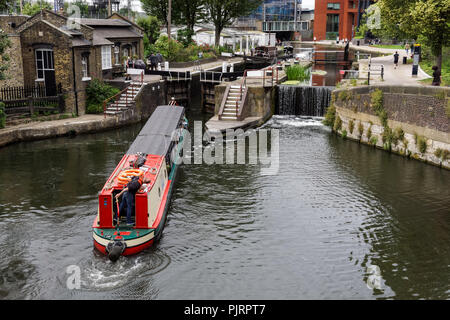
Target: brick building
48,48
337,18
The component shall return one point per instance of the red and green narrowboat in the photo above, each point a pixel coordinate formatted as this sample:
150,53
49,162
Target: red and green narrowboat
153,156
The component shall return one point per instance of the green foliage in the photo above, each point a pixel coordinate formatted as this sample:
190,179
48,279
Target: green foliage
223,12
443,154
360,129
151,27
378,106
33,8
344,95
426,20
369,133
81,4
187,13
175,51
398,135
330,116
421,143
298,73
354,82
2,115
337,124
387,138
97,92
447,109
351,126
428,61
344,133
185,36
373,141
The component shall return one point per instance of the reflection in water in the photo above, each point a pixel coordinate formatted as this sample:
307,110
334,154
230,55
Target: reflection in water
407,231
311,231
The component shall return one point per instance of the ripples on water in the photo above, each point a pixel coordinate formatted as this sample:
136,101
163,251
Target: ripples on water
334,208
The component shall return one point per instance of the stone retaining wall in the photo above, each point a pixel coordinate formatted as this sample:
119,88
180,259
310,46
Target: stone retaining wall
421,113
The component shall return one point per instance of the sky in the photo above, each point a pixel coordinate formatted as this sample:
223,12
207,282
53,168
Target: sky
136,3
308,4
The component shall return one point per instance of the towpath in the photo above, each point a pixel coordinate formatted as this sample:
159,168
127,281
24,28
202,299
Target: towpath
392,76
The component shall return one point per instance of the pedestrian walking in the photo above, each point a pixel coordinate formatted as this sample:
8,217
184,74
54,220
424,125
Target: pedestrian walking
396,57
407,47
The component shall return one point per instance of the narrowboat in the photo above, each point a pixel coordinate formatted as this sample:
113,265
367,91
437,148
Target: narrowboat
153,157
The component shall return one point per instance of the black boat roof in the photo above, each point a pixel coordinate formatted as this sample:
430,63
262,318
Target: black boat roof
156,135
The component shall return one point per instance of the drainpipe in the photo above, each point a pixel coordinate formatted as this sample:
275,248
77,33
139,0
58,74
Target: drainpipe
74,82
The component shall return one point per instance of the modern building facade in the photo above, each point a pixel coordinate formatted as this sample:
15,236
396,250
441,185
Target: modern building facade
338,18
285,17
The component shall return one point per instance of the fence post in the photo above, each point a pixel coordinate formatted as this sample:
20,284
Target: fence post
61,105
382,72
30,105
368,77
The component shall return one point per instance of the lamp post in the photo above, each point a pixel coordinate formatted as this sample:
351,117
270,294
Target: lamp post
169,18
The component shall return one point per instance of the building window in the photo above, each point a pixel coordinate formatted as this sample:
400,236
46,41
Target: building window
44,61
334,6
332,26
85,66
125,52
106,57
116,54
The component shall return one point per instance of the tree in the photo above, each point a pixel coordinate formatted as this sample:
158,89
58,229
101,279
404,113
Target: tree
426,20
189,14
159,9
32,9
151,27
81,4
223,12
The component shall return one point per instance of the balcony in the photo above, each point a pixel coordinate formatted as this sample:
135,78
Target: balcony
274,26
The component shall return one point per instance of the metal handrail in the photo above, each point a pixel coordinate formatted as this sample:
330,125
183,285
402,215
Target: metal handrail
105,103
224,100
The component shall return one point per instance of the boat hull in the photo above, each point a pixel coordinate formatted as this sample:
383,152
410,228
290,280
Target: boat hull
135,243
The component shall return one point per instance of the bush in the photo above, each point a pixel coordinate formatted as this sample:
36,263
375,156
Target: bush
360,129
337,124
298,73
351,126
421,143
2,115
175,51
330,116
97,91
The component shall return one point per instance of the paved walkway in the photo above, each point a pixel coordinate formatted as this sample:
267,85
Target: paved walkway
400,76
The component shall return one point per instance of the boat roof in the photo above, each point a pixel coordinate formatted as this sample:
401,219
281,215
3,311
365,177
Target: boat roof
156,135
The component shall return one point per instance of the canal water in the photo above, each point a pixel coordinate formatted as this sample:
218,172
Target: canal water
339,221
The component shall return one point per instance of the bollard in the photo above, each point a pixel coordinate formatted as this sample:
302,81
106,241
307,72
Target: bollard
166,65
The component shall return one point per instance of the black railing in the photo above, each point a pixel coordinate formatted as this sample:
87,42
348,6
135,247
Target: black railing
32,99
53,104
37,91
